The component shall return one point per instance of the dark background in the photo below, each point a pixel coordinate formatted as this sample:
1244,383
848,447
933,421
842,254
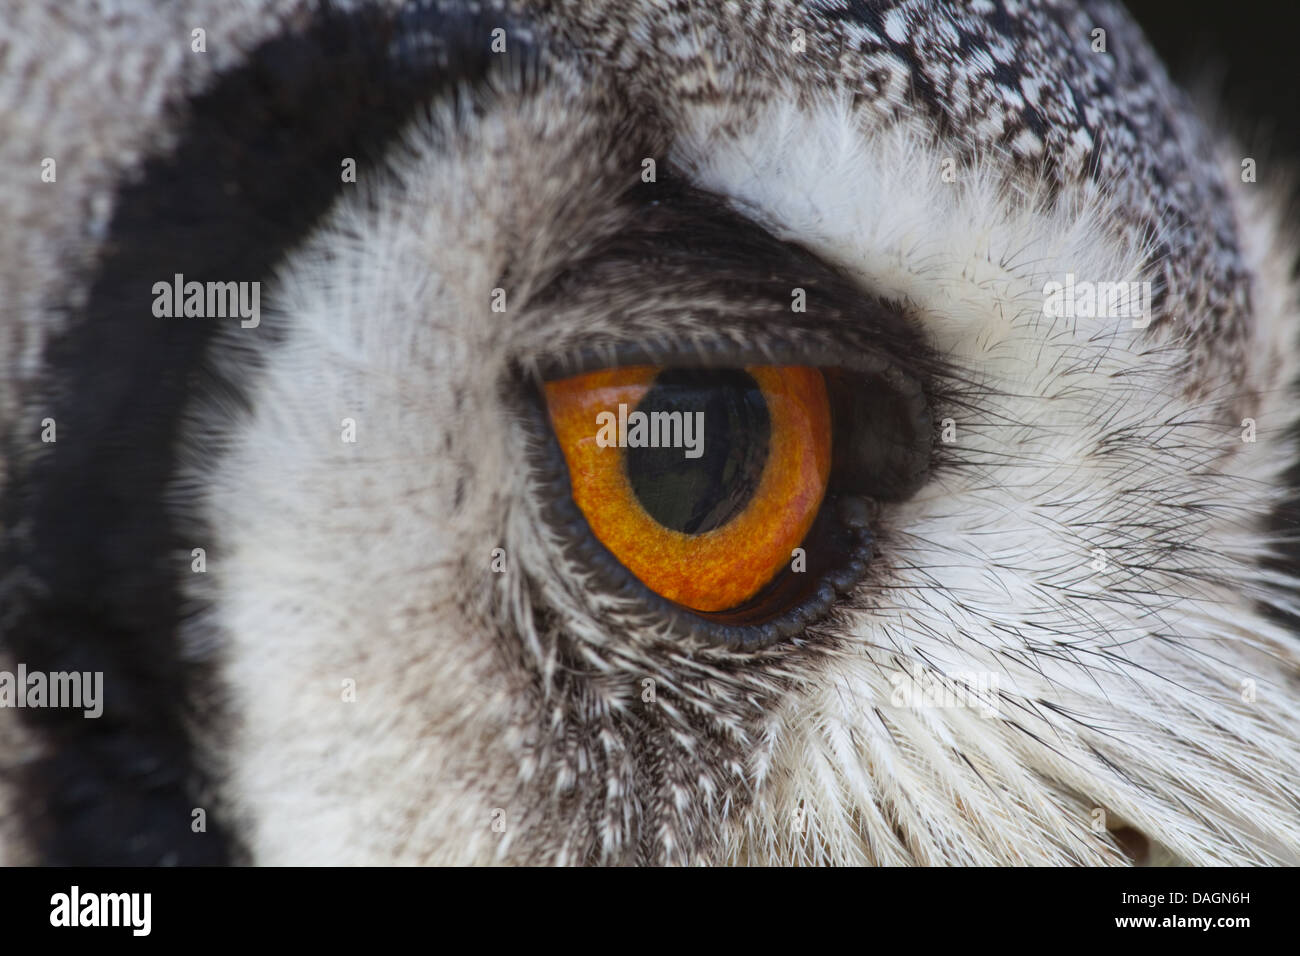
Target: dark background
1246,53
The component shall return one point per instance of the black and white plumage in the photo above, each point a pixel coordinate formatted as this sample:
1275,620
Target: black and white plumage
923,170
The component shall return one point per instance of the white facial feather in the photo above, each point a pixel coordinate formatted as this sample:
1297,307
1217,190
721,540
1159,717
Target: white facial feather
1122,689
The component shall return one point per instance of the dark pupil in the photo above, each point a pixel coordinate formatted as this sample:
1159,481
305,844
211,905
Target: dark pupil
694,495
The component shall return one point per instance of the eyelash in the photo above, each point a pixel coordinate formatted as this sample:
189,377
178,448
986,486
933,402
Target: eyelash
880,451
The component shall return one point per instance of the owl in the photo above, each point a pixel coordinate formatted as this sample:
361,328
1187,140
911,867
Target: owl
839,432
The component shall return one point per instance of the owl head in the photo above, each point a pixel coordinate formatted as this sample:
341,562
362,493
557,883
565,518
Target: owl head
638,432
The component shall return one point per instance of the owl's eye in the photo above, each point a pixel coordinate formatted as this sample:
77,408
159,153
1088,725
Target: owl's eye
701,482
735,500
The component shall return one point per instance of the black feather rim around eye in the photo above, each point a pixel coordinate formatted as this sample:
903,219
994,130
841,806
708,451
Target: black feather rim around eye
881,448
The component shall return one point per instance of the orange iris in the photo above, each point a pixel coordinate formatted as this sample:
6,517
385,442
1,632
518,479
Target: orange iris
723,567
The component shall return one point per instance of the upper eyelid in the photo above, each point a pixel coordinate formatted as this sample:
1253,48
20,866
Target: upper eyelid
689,281
843,326
765,346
